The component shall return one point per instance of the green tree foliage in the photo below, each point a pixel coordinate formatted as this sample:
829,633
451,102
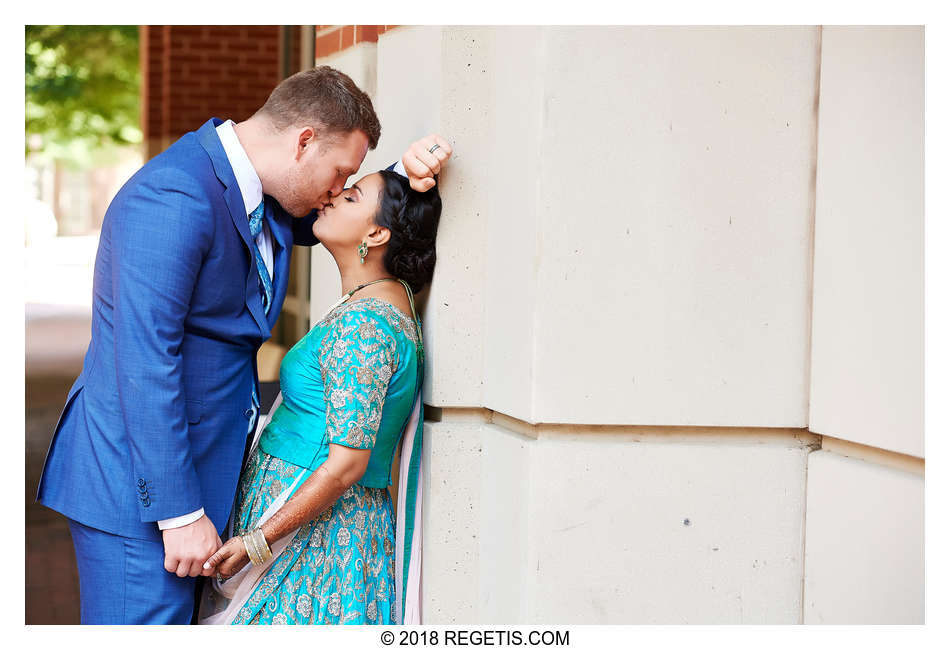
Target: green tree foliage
82,91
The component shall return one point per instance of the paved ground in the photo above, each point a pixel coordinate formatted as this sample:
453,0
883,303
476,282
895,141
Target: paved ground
52,588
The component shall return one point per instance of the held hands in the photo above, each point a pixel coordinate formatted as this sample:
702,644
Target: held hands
187,547
422,164
227,560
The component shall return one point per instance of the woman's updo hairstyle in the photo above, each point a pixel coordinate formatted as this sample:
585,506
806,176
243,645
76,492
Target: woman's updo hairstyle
413,219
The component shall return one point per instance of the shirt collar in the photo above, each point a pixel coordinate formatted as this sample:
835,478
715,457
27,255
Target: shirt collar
248,181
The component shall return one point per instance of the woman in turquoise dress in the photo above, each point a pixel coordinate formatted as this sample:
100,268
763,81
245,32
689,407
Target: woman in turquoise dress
315,538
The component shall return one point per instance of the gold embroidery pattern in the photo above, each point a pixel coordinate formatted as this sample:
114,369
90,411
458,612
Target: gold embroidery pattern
357,357
398,320
332,571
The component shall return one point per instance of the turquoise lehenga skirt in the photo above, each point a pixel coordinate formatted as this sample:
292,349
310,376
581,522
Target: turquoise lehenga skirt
337,568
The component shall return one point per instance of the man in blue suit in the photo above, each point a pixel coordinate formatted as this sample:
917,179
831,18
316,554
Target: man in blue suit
190,275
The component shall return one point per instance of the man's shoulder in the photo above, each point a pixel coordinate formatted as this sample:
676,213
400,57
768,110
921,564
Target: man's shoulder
185,156
184,164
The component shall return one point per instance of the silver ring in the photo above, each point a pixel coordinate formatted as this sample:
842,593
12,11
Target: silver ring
433,148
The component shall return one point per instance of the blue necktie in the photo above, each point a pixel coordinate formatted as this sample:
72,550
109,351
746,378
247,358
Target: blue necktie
256,223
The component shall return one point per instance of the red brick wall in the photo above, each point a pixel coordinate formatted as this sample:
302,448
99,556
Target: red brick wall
335,38
191,73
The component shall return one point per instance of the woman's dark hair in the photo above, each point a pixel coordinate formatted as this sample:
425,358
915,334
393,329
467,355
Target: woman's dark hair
413,219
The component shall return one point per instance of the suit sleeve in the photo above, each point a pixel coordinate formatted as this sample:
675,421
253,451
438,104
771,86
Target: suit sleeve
159,238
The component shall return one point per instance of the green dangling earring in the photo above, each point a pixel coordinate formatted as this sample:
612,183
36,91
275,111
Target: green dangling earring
363,250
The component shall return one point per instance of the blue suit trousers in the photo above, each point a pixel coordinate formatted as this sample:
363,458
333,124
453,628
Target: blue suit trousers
123,581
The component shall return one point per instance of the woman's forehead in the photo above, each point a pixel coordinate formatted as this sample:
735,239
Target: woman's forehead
374,179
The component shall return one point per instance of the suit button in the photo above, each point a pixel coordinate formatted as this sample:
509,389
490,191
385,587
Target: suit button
248,413
141,482
142,489
146,502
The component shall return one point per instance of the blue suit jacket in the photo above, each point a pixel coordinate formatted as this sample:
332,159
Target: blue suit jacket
155,425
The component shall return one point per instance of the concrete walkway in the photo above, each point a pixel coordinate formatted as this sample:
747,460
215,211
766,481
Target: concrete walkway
58,342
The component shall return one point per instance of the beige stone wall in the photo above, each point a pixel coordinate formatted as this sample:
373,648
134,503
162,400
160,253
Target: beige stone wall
864,554
619,334
867,350
580,526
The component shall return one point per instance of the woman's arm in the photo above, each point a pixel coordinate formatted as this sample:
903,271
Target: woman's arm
344,467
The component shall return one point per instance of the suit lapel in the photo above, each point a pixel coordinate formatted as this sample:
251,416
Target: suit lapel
280,227
208,138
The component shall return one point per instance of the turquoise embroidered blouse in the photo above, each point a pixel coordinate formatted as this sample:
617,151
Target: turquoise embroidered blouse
350,381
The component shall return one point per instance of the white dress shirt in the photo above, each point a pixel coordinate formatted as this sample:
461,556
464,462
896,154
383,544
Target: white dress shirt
253,193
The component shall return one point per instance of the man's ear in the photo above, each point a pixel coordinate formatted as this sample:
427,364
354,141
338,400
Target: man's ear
378,236
306,138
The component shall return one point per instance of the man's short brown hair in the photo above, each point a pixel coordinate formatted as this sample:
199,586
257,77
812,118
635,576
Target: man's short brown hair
325,99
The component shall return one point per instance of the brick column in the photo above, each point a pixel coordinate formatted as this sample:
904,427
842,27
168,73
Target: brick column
191,73
336,38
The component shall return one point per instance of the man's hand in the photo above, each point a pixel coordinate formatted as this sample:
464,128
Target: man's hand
187,547
422,162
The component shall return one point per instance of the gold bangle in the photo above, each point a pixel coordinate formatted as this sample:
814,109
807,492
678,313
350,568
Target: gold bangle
257,547
255,541
251,550
263,547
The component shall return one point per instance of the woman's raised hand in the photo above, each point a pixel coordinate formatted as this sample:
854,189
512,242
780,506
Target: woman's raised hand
424,159
227,560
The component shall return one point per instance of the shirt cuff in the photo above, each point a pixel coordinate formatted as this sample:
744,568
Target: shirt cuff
399,169
184,520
